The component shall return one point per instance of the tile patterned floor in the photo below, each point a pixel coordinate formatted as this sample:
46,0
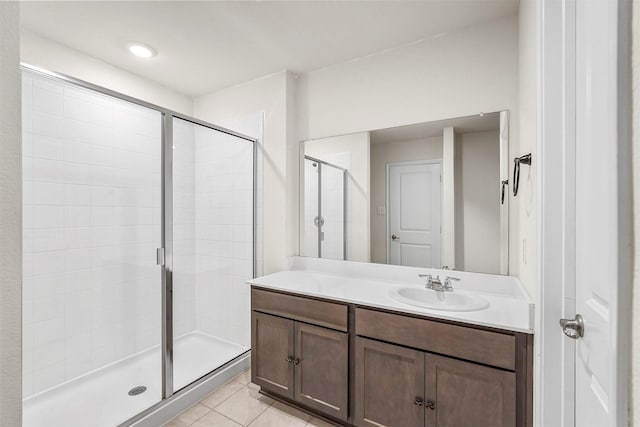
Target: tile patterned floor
238,403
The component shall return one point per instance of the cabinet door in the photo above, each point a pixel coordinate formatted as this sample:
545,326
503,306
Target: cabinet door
467,394
322,369
271,347
389,380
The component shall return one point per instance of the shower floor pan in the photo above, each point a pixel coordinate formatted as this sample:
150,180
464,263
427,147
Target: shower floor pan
101,398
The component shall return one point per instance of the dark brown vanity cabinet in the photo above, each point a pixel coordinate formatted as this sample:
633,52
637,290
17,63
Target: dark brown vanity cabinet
404,378
372,367
399,386
297,360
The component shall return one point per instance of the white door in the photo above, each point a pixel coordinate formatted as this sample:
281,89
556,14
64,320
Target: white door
598,274
414,214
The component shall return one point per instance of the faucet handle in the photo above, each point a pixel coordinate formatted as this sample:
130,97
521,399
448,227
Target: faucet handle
429,283
447,282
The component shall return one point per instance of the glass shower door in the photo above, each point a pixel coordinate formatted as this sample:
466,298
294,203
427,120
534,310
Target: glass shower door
212,249
91,226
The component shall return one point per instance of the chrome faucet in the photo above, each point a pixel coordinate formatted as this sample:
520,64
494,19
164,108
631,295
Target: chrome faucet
438,285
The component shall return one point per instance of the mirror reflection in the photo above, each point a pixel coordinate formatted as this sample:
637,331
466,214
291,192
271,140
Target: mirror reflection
422,195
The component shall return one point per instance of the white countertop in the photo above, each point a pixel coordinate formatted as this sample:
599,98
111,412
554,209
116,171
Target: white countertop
369,284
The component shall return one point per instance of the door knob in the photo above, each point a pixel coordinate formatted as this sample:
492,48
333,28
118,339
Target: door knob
395,238
418,401
289,359
573,328
430,405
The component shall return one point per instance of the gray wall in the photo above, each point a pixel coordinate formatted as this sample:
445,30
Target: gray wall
10,218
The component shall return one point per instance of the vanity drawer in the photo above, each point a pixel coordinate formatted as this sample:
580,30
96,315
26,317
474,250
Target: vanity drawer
490,348
307,310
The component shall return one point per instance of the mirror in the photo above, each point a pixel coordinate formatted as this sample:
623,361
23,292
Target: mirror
424,195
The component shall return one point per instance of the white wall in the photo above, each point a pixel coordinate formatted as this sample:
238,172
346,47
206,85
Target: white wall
522,209
350,152
477,191
10,219
44,53
458,74
272,96
381,154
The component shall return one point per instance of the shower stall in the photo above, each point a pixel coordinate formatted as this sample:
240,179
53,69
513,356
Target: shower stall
323,228
138,237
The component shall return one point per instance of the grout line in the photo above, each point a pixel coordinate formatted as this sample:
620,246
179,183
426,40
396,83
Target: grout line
233,421
225,399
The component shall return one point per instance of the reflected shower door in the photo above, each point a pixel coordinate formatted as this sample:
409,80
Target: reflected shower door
212,249
323,228
310,232
332,237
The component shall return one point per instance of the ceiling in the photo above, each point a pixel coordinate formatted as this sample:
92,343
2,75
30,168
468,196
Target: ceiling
478,123
207,45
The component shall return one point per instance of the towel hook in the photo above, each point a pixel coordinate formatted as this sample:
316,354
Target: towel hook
525,160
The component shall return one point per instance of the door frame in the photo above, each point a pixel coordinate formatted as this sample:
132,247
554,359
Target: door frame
388,166
556,188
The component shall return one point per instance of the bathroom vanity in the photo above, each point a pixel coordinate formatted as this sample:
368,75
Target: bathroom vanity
334,342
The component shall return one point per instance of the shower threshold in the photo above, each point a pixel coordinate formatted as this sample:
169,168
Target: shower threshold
101,398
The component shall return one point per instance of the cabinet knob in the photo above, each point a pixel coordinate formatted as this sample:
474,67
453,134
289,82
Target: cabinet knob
296,361
430,405
289,359
418,401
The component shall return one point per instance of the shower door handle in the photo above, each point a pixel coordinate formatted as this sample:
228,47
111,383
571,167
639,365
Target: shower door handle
160,256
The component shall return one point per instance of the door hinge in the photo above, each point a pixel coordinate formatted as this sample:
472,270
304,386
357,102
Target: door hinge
160,256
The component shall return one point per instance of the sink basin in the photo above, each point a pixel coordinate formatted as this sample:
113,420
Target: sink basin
435,300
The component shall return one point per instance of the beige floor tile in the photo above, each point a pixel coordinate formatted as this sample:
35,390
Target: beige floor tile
176,422
220,395
244,405
244,378
317,422
291,411
215,419
193,414
276,418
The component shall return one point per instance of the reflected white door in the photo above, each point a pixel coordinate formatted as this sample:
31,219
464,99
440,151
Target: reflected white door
597,205
414,214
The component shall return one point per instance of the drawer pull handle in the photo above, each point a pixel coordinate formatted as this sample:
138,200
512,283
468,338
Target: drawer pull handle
430,405
289,359
418,401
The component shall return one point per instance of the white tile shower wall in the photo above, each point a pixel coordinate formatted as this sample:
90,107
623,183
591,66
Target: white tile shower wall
224,233
91,178
183,227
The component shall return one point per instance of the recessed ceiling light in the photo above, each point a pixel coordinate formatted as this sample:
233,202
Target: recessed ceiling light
141,51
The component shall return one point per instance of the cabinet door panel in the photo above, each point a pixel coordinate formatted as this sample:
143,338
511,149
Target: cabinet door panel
272,343
321,374
467,394
389,378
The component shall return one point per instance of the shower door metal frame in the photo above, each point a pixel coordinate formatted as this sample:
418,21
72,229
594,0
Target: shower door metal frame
166,259
344,204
